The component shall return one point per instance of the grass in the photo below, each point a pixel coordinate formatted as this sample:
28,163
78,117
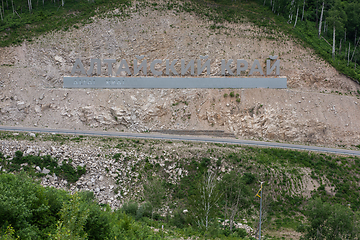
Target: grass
51,17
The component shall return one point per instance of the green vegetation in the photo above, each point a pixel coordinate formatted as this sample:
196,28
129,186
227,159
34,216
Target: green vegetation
30,162
47,16
30,211
330,221
232,172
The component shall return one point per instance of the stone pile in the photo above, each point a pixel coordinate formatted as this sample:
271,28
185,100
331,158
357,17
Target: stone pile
112,181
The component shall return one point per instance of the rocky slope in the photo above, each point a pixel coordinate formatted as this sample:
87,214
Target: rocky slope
116,180
319,107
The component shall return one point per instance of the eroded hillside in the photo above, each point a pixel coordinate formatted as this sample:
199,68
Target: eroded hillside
117,170
319,107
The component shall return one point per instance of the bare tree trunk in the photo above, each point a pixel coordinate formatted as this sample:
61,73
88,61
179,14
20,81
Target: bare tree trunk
12,3
348,55
1,14
2,7
209,198
234,210
297,13
325,27
345,36
345,52
264,2
302,17
226,211
333,47
62,3
340,47
354,50
321,16
29,4
316,13
355,36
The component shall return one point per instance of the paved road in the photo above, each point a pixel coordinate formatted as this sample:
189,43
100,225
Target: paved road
184,138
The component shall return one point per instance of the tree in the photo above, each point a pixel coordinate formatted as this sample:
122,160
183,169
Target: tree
203,204
234,195
154,193
337,18
327,221
321,17
73,219
302,17
297,14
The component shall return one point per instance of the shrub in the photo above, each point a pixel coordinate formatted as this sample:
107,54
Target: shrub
130,208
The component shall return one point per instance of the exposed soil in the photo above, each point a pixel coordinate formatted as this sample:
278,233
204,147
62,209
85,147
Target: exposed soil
320,106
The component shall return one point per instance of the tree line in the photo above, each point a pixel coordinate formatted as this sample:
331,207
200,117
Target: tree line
336,19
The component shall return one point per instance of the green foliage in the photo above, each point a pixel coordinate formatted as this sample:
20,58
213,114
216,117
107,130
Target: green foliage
248,178
49,17
31,211
131,208
29,208
29,162
337,16
8,234
117,156
154,193
203,204
73,216
330,221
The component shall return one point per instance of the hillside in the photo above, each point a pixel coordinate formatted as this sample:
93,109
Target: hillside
319,107
119,170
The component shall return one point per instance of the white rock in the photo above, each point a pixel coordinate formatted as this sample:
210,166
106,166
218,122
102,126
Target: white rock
45,171
59,59
32,135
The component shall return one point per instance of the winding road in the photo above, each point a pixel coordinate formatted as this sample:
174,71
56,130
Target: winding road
184,138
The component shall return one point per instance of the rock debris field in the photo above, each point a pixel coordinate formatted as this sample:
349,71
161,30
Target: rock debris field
319,107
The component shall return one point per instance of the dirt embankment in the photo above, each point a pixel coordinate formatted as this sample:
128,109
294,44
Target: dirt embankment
319,107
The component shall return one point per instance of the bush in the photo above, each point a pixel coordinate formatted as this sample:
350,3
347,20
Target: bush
179,219
28,207
31,211
248,178
145,210
131,208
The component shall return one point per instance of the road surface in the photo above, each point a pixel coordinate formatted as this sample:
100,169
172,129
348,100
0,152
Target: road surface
184,138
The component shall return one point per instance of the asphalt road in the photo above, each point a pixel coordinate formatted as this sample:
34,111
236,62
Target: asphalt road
184,138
